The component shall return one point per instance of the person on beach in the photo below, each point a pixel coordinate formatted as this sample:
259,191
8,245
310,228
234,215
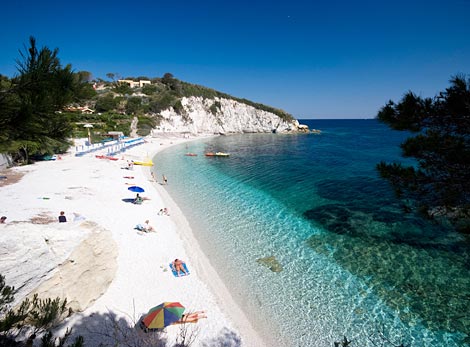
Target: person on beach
163,212
3,220
191,317
62,218
138,199
147,227
178,266
165,180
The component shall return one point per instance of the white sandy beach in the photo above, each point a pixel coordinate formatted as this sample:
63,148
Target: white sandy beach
101,263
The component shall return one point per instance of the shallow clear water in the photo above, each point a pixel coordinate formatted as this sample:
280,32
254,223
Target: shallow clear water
346,259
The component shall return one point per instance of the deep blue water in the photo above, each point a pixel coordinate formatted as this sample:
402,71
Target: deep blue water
347,260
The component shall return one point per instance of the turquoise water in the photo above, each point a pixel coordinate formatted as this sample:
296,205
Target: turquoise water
340,255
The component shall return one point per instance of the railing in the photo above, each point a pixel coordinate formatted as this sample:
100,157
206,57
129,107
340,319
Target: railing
113,147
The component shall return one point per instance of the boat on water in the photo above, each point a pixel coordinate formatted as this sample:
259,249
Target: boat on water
106,157
191,154
217,154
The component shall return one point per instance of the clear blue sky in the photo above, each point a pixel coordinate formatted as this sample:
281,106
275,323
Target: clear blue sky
314,59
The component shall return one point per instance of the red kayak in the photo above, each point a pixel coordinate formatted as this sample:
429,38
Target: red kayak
106,157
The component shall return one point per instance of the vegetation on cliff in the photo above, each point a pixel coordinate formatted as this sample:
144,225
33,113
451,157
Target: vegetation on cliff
42,107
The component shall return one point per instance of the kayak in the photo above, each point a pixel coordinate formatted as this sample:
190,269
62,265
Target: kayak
106,157
143,163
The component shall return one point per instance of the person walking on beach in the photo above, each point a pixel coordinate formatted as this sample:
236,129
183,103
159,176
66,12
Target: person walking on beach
165,180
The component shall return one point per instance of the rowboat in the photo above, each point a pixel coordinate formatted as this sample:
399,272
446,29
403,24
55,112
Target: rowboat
191,154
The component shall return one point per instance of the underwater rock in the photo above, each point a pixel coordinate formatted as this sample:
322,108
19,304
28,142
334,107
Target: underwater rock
271,263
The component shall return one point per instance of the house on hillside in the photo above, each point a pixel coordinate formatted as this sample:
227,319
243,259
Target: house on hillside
115,135
82,109
134,84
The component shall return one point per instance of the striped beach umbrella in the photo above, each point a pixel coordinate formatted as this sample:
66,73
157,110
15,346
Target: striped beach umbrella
163,315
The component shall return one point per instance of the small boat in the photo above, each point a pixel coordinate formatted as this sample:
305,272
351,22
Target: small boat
191,154
106,157
222,154
217,154
143,163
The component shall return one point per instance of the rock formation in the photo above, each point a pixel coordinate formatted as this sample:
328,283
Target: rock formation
222,116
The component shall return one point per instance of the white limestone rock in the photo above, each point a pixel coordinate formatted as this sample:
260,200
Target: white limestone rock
230,117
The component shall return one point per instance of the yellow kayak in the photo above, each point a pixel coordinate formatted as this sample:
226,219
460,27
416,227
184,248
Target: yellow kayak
144,163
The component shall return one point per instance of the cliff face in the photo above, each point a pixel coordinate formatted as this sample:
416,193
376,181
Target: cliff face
222,116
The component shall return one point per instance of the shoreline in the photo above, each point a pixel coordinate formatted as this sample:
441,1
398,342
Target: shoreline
201,262
94,188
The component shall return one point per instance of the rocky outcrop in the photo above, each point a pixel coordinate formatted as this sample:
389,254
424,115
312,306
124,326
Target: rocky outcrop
222,116
66,260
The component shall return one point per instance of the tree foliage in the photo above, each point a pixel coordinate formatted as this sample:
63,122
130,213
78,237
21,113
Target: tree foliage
33,317
31,101
441,179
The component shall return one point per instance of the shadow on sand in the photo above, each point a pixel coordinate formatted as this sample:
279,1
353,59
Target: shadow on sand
110,330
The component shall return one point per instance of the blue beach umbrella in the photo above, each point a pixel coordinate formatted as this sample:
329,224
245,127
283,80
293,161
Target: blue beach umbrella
136,189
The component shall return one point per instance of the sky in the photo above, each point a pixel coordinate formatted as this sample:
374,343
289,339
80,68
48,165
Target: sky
314,59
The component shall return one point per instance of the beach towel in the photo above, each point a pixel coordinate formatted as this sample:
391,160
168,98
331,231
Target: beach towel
181,272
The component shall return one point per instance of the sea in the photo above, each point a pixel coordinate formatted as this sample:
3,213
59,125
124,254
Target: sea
314,245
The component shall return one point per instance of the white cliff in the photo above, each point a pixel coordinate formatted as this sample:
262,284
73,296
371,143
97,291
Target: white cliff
222,116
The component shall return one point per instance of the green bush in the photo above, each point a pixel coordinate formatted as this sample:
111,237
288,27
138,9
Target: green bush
33,317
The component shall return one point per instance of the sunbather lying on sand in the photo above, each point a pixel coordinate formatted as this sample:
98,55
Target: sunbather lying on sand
178,266
147,227
191,317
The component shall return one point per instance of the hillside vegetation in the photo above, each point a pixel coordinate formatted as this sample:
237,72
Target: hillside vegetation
116,103
46,104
